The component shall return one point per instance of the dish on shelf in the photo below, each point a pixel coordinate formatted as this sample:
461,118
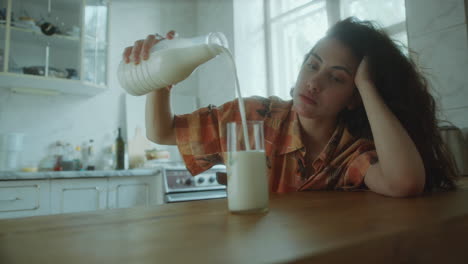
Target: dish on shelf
53,72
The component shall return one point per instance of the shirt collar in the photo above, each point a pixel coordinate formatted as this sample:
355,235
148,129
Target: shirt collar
292,138
292,134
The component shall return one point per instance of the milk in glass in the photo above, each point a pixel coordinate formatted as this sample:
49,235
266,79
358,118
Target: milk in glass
247,185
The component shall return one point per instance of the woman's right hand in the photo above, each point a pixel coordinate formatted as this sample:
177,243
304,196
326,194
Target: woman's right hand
140,50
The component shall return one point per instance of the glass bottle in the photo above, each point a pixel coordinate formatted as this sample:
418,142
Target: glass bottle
109,158
58,154
120,151
78,165
91,156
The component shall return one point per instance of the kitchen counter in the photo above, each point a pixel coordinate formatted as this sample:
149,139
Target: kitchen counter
303,227
13,175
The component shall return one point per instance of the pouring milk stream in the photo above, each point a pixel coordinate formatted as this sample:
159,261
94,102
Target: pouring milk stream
172,61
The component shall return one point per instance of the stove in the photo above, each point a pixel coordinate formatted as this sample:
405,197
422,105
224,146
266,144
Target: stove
181,186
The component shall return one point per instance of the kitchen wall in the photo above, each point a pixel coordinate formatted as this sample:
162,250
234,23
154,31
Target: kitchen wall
46,119
75,119
135,20
216,82
242,23
438,33
249,40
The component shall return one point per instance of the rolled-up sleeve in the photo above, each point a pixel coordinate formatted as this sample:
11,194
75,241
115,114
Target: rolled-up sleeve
353,178
198,139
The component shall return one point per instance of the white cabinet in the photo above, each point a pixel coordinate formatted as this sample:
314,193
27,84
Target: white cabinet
125,192
24,198
54,46
78,195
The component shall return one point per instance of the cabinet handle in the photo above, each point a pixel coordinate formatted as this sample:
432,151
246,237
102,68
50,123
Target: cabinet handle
11,199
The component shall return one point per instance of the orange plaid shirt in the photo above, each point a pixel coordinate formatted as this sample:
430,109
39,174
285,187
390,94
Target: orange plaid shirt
342,164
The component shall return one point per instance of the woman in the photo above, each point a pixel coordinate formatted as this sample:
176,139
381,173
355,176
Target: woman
361,117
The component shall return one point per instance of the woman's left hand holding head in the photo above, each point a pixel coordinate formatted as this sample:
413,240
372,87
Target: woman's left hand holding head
362,78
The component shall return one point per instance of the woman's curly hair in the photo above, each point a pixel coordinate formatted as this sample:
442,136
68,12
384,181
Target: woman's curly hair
405,91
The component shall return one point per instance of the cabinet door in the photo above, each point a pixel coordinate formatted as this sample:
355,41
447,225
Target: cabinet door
3,35
24,198
95,42
125,192
44,38
78,195
54,46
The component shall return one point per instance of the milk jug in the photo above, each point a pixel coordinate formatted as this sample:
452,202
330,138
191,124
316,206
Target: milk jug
170,62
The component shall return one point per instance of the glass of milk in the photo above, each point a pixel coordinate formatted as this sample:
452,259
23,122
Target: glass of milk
247,183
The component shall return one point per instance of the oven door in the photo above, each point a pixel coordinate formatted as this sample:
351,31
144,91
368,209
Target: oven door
193,196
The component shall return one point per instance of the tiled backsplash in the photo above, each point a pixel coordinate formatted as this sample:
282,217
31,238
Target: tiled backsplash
438,33
428,16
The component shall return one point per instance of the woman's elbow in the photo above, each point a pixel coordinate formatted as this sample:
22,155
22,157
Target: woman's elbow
161,139
410,186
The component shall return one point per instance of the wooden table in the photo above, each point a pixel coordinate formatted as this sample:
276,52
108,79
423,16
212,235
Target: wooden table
319,227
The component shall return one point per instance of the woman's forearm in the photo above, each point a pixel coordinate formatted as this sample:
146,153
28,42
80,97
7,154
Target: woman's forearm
399,159
159,117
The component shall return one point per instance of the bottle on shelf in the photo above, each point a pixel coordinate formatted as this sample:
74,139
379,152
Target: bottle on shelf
109,158
78,165
67,158
120,151
91,157
58,152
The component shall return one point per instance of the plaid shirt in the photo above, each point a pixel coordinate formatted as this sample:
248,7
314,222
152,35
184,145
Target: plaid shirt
342,164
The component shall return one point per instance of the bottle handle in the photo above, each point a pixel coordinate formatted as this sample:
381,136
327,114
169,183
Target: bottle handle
217,38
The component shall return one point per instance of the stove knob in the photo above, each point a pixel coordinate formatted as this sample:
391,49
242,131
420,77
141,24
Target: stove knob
188,181
200,180
211,179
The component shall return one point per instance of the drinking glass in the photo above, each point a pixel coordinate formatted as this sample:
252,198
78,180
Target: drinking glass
247,180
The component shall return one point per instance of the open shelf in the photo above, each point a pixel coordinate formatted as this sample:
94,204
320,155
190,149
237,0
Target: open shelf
82,46
28,35
33,84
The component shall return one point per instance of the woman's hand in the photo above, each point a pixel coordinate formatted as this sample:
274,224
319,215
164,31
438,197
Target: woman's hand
140,50
362,78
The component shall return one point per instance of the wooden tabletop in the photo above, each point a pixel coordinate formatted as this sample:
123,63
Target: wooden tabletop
326,227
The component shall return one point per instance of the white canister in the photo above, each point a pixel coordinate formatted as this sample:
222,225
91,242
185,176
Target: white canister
11,147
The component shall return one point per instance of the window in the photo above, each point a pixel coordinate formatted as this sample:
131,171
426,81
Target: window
294,26
389,14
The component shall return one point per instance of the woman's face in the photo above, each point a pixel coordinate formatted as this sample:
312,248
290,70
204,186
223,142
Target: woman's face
325,84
